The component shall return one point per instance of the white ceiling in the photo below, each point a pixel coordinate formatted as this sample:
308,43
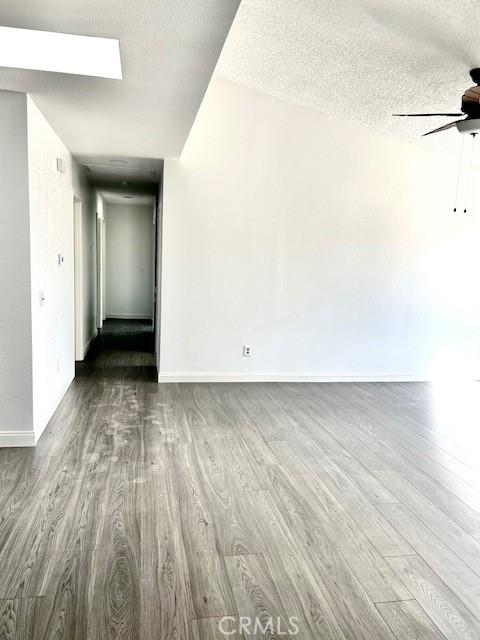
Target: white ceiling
358,59
113,197
169,50
137,171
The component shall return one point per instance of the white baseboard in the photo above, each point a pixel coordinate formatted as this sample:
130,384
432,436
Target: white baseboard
17,439
89,344
129,316
201,376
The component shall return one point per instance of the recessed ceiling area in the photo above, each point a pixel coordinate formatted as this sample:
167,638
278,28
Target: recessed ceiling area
116,170
362,60
169,51
113,197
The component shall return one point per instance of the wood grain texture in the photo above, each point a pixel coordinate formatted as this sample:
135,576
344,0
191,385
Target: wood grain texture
439,603
300,592
408,621
257,597
159,511
17,618
447,565
216,628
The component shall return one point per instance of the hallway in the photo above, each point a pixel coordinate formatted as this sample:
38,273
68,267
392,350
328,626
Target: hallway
122,350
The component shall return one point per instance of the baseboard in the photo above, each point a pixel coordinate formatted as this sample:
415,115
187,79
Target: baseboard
17,439
89,344
129,316
201,376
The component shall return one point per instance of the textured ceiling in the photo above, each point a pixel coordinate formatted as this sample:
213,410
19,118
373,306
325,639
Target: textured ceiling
169,50
358,59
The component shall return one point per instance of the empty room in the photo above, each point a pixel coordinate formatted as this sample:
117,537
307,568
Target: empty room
239,320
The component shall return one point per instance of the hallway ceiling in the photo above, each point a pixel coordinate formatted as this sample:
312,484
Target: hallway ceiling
168,49
113,197
137,171
362,60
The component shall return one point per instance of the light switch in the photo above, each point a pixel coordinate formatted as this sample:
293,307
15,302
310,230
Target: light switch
41,298
61,168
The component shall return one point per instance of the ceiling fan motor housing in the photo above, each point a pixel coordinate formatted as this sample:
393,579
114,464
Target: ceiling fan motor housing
470,125
475,75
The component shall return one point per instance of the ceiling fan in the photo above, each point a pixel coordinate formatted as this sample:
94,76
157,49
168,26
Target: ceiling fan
470,108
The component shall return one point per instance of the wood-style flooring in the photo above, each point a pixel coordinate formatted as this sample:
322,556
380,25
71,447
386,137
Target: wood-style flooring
154,511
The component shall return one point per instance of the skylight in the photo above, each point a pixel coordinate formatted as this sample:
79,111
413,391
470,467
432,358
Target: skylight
60,53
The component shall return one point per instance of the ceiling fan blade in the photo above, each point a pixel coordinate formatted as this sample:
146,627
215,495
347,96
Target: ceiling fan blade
444,128
425,115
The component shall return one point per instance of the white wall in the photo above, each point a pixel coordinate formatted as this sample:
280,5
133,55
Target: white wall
129,258
16,408
51,233
36,337
327,248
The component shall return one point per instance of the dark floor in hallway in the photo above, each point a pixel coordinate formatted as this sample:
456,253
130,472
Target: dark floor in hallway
123,349
151,511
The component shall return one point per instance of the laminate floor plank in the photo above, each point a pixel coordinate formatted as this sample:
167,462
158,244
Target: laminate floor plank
347,460
444,468
114,588
330,431
419,424
217,628
67,594
272,423
324,517
211,590
36,540
446,564
257,598
442,606
302,595
257,445
408,621
303,454
439,494
166,511
17,618
166,602
373,423
356,614
462,543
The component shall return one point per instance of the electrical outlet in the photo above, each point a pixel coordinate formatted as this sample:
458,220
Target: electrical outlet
247,351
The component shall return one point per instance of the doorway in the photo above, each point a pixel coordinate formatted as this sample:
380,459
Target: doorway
125,256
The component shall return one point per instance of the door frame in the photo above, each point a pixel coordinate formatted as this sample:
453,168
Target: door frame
78,278
100,249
